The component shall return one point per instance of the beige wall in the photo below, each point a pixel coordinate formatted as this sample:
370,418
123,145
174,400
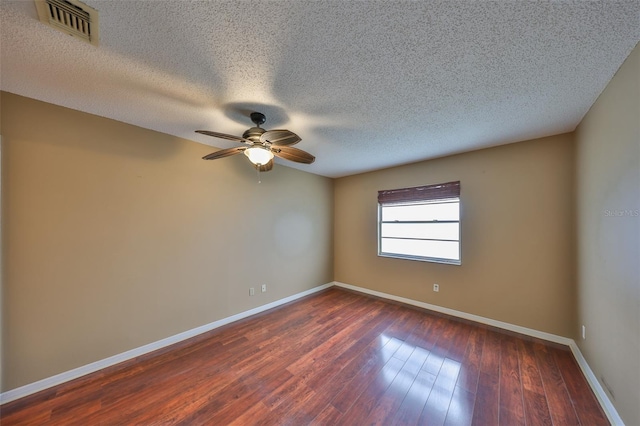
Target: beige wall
608,261
517,249
116,236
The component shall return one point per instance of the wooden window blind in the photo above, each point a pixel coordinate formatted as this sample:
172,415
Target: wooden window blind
439,191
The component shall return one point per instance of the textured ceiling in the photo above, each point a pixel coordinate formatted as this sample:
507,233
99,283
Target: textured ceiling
366,84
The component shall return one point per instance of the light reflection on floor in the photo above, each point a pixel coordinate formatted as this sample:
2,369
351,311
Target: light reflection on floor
433,379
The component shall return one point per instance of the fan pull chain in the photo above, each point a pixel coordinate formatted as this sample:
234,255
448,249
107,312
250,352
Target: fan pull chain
258,172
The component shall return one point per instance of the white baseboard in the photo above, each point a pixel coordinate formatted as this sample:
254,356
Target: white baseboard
58,379
459,314
602,397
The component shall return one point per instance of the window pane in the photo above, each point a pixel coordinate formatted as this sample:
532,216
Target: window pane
421,212
425,248
435,231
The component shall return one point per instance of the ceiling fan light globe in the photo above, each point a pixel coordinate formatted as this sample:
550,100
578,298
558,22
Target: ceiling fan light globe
258,156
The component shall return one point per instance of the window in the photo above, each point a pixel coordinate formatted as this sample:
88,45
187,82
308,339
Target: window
420,223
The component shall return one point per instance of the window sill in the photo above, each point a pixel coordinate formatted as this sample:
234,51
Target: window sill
421,259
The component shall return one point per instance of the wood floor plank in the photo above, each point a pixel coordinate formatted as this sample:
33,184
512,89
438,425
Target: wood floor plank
459,342
487,404
428,332
535,402
587,408
333,358
531,379
387,406
486,409
343,388
470,368
440,349
328,416
371,396
329,380
402,328
345,398
560,405
434,361
305,411
511,401
411,408
41,401
253,415
365,376
325,353
292,394
460,412
27,418
490,363
536,409
437,405
371,334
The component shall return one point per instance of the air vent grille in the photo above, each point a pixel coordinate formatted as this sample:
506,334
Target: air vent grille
71,17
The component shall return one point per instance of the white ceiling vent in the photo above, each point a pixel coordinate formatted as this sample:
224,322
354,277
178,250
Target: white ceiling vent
71,17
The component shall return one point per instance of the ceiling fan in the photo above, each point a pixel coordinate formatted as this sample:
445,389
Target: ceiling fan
263,145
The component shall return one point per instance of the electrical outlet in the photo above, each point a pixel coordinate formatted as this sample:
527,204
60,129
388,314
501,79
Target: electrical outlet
252,291
264,288
436,287
584,332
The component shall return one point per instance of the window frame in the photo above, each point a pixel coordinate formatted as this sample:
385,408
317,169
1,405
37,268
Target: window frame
433,194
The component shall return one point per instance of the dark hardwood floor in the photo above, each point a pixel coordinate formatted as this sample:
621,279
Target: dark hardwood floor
336,357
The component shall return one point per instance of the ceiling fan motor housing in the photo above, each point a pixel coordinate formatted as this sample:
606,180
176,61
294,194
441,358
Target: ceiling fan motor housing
253,134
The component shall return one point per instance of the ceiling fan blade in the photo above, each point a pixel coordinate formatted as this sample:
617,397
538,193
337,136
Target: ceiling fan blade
280,137
293,154
223,153
265,167
223,136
